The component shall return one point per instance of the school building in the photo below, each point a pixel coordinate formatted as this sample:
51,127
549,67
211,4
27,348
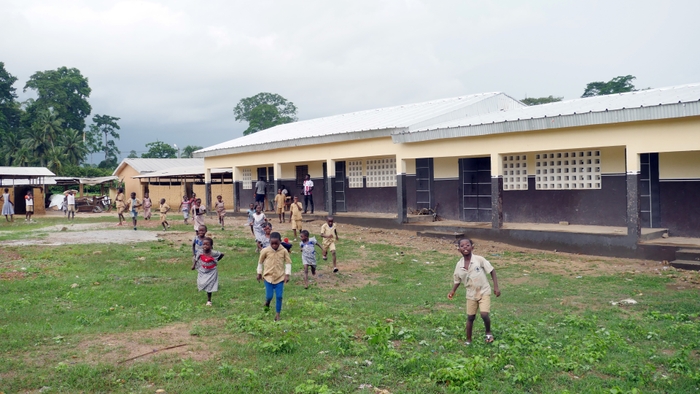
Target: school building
20,180
628,161
171,179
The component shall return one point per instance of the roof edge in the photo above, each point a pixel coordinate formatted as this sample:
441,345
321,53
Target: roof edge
623,115
326,139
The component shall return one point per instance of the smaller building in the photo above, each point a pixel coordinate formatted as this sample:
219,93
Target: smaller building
173,183
128,169
19,180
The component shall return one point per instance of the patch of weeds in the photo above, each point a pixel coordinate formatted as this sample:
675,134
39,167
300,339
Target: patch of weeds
285,343
311,387
461,372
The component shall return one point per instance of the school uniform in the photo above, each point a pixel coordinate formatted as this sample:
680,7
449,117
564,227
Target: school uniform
474,279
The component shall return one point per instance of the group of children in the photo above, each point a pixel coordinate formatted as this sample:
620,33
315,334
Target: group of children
133,204
8,207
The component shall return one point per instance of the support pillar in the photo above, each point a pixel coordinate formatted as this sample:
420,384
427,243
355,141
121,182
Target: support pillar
207,188
81,189
496,192
401,209
237,177
330,186
634,225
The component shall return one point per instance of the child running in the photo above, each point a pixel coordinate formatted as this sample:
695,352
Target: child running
199,211
329,233
279,205
259,219
120,201
164,208
134,204
29,203
185,208
295,216
251,212
205,263
308,255
198,241
264,241
147,204
220,210
471,270
274,267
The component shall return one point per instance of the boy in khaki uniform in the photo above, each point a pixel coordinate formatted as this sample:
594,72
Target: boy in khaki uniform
471,270
274,268
329,233
164,208
295,212
279,205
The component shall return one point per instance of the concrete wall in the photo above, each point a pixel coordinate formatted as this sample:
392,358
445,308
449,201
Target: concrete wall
126,175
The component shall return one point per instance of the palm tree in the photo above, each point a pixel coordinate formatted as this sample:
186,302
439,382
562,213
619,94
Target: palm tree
55,159
73,146
35,140
11,144
22,157
50,124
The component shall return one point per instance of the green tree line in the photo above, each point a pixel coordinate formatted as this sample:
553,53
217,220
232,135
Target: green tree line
51,129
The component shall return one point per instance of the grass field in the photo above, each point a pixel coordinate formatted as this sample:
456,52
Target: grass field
70,315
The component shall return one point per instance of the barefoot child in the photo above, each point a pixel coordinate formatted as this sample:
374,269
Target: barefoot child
220,210
329,233
134,204
471,270
205,263
295,213
199,211
185,208
120,201
164,208
251,212
29,203
308,255
279,205
259,219
8,207
147,204
198,241
274,267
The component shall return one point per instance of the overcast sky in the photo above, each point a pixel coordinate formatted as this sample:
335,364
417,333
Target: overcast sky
174,70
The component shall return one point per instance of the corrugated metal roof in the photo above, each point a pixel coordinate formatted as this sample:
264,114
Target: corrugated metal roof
24,172
183,172
149,165
365,124
662,103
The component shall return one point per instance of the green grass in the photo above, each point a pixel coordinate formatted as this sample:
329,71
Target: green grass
554,332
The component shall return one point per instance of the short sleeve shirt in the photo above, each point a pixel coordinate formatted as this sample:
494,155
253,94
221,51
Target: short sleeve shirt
273,262
71,199
30,202
474,277
308,251
260,187
308,185
164,207
279,200
296,210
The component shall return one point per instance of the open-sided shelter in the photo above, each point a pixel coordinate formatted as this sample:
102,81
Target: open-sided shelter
19,180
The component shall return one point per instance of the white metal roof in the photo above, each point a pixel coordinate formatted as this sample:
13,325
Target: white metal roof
149,165
183,172
24,172
661,103
365,124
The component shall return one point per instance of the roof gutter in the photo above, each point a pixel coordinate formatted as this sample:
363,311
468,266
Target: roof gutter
326,139
657,112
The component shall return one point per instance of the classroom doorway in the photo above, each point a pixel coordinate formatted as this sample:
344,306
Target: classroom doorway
475,177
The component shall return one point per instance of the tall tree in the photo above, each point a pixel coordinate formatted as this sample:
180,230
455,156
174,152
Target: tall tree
107,125
160,150
73,146
620,84
540,100
9,107
64,89
189,149
132,154
257,112
55,159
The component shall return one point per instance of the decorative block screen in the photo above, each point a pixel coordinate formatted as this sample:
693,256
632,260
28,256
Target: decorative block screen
355,174
568,170
515,172
381,172
247,178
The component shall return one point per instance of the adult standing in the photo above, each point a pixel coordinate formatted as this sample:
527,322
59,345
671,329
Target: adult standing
121,206
308,193
8,208
260,187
